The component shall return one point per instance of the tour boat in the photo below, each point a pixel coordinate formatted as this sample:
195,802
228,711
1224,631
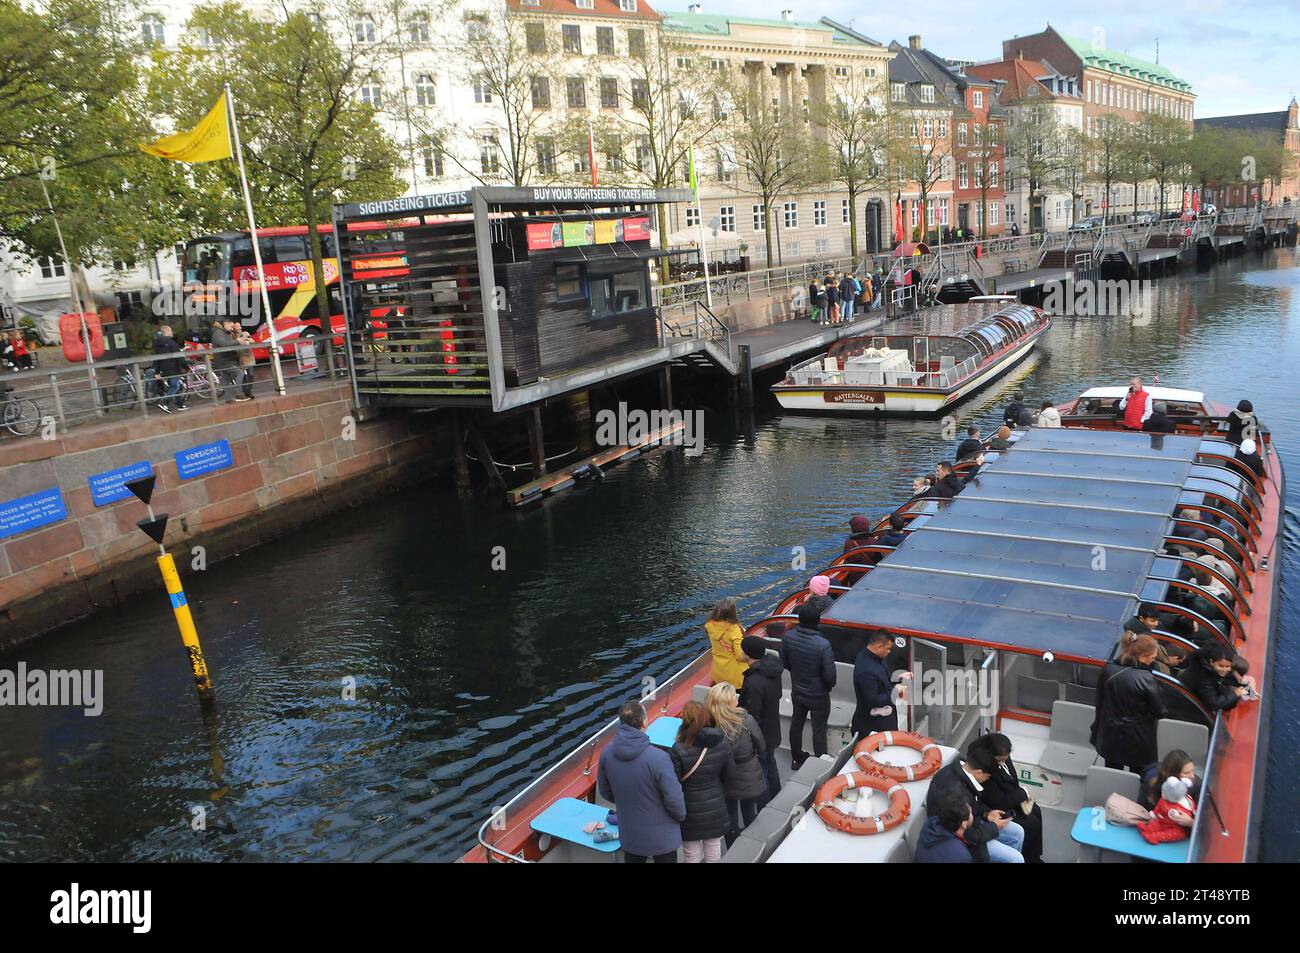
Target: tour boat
921,365
1004,604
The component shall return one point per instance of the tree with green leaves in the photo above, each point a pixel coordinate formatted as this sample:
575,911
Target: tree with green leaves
72,111
1166,139
1108,151
309,141
857,141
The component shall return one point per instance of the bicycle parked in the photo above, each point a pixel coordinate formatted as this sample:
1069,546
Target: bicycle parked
22,415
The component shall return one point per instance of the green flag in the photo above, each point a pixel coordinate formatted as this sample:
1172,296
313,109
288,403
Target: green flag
695,186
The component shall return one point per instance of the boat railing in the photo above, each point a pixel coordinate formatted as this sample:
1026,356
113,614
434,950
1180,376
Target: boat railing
542,790
1209,822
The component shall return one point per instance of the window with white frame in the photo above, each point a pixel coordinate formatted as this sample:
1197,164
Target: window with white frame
363,27
605,40
928,128
943,128
727,218
961,134
993,175
978,99
489,155
963,176
535,37
585,4
627,6
546,155
426,92
916,214
482,93
844,211
692,216
51,267
821,245
927,93
371,94
541,91
433,163
898,92
758,218
791,214
572,37
793,249
152,28
943,211
819,212
978,130
842,72
417,29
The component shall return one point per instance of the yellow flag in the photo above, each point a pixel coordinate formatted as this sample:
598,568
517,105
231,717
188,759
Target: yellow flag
206,142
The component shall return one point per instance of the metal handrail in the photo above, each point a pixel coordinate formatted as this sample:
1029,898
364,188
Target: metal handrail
746,285
1199,825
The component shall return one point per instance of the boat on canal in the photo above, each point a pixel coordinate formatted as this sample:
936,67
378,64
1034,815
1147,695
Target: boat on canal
923,365
1017,588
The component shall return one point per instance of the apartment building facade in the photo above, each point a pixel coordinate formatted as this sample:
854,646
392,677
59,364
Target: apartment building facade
1036,97
800,65
1113,86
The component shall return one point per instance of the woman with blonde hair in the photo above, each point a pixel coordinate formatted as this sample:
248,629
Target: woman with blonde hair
749,779
725,634
1129,705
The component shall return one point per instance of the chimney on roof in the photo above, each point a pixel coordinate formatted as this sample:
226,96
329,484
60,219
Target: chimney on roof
914,41
787,16
695,8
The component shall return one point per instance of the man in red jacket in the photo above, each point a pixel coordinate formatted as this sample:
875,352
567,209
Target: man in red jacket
1136,405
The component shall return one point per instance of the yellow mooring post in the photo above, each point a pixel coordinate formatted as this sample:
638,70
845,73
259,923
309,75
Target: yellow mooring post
185,622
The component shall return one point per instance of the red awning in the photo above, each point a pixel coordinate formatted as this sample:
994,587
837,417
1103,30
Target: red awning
911,248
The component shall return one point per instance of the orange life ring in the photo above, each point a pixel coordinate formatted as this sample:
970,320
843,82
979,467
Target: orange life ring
932,757
900,805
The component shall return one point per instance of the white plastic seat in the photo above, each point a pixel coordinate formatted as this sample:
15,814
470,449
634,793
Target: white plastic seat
1187,735
1069,750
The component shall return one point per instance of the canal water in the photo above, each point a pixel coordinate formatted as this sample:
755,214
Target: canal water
469,679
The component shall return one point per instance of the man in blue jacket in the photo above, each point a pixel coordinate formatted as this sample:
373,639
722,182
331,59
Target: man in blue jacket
641,781
811,663
876,710
941,840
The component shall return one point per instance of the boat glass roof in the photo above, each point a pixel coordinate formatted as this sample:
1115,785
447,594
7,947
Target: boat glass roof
1048,549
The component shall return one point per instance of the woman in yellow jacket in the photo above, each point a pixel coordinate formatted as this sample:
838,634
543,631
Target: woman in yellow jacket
725,633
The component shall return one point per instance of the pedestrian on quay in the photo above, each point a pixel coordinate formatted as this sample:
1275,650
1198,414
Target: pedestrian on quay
761,697
748,782
705,763
171,369
725,633
640,780
247,360
808,657
817,301
225,363
1128,706
832,299
848,295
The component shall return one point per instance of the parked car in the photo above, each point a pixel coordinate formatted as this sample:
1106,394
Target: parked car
1086,224
1146,218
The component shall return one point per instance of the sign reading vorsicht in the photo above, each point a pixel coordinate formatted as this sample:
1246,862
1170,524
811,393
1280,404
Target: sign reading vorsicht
204,458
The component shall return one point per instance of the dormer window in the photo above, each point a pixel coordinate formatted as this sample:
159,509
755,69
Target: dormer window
978,100
927,94
898,92
627,6
585,4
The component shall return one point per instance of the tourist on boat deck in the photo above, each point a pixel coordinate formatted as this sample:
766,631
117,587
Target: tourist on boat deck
1003,792
1210,678
971,445
761,697
1011,416
1128,706
1173,816
992,835
1048,416
725,633
748,781
819,588
641,781
1176,764
811,664
922,487
859,532
942,839
1249,455
1242,422
704,762
1002,439
894,535
1215,560
1159,421
946,483
873,687
1135,407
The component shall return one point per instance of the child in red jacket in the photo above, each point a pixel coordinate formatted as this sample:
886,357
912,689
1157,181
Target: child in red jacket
1173,815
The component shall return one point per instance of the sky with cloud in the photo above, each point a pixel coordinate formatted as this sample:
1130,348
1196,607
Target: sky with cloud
1239,55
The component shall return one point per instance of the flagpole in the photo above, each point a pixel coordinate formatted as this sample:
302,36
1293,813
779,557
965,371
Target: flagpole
704,246
276,370
76,297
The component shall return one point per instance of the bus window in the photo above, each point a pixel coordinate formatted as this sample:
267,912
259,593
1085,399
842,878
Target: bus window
291,248
205,259
242,253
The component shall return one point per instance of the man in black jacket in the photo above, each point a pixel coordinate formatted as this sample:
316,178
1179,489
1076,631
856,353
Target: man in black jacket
946,483
1159,421
992,832
1011,416
893,536
170,369
873,687
811,663
971,445
760,695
